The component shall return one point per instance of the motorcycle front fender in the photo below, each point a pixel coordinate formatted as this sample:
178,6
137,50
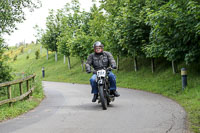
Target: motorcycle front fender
101,82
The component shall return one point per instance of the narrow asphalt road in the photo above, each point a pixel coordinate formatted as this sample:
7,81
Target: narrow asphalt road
67,108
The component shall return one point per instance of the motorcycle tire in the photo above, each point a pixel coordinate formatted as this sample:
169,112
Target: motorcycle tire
102,98
108,101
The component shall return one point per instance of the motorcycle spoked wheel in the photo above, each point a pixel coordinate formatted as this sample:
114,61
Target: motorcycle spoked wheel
103,99
108,101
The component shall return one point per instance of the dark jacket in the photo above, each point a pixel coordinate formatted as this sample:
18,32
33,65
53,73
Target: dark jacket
99,61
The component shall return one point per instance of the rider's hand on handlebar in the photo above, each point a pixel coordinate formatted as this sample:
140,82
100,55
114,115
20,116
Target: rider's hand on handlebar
88,71
94,72
114,67
109,69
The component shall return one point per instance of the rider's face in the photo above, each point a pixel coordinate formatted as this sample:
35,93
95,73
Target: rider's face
98,49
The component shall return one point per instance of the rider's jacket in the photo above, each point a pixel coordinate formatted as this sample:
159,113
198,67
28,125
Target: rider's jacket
99,61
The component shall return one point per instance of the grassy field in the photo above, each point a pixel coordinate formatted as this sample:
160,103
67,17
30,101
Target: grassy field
20,107
23,106
161,82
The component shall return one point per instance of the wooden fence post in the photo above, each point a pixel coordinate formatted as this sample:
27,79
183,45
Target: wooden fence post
21,89
33,84
28,88
9,94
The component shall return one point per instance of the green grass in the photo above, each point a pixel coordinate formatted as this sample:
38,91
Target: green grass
23,106
161,82
15,91
18,108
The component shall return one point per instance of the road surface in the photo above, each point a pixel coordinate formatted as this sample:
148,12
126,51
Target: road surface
67,108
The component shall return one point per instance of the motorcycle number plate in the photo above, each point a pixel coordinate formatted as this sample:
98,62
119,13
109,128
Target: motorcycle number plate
101,73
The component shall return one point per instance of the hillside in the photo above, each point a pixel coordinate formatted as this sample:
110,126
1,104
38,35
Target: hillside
163,81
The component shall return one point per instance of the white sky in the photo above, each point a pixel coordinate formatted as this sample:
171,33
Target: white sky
25,32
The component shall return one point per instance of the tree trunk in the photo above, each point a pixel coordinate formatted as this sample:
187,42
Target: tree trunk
56,56
47,54
135,64
82,64
174,67
118,63
69,65
64,59
152,65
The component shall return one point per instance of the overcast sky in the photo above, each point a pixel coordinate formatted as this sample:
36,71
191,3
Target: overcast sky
25,32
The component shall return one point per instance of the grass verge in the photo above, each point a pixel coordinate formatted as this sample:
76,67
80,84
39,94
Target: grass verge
23,106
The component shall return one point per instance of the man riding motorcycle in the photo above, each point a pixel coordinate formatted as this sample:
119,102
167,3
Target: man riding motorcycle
101,59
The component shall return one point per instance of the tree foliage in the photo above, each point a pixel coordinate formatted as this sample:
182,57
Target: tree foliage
5,69
11,13
174,33
161,28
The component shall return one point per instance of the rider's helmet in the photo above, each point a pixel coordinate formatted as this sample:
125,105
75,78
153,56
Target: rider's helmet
97,44
98,47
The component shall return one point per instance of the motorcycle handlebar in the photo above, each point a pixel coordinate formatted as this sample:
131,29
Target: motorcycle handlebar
107,69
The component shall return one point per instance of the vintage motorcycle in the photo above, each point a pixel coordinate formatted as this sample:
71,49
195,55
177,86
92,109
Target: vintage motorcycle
104,94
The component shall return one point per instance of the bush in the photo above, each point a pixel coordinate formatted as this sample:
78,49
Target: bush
15,58
27,57
22,50
37,54
5,70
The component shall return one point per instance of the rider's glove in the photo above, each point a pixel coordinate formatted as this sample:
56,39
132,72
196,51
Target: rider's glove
114,67
88,71
94,72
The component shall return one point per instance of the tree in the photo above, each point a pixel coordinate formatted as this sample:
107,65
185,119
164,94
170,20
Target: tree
5,74
126,27
81,46
112,36
74,35
41,37
11,13
44,40
52,32
173,35
134,32
55,33
68,28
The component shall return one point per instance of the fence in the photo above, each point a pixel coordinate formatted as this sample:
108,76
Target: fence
29,87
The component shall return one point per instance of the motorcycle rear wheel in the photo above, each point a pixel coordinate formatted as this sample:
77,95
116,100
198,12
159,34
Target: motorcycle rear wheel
102,98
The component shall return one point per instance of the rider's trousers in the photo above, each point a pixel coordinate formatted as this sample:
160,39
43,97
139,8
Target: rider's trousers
111,78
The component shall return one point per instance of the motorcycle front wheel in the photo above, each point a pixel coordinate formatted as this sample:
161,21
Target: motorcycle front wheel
102,98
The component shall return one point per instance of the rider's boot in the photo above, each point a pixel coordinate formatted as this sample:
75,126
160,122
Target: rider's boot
115,93
94,98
